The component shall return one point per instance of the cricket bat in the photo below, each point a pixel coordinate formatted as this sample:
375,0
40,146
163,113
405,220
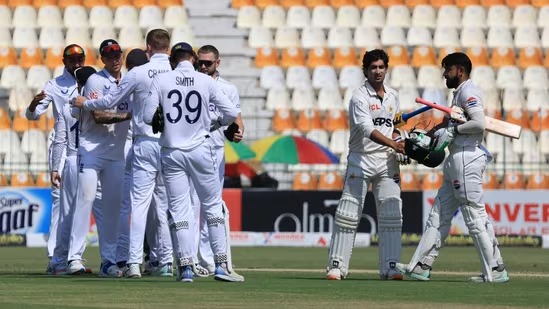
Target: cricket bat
492,125
401,119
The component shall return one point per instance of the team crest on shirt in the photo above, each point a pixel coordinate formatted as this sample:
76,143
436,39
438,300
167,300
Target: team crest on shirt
390,109
93,95
107,87
65,91
456,184
472,101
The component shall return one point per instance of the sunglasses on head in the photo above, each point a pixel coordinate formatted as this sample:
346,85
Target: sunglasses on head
74,51
207,63
110,48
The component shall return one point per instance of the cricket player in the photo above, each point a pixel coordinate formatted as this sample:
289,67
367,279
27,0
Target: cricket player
185,96
146,167
208,62
374,155
101,157
57,91
462,184
66,142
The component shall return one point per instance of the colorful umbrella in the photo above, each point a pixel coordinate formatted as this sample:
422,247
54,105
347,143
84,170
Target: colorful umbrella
235,152
292,150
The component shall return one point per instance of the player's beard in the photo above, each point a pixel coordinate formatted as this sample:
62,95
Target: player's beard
452,82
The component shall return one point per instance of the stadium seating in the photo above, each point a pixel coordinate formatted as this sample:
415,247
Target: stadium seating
304,181
330,181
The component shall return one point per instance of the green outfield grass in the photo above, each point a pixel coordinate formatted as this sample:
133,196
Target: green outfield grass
281,278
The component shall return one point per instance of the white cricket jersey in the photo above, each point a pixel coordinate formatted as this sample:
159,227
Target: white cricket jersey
218,138
368,112
66,136
468,97
102,140
59,91
185,96
137,82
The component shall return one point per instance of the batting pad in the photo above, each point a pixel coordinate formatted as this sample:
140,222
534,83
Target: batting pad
346,222
430,243
389,216
481,239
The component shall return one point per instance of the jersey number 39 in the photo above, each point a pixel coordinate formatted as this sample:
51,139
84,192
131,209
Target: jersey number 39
192,110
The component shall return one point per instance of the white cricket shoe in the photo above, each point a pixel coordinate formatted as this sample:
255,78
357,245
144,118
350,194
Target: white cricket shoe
497,277
200,271
392,274
132,271
110,270
76,267
417,273
223,274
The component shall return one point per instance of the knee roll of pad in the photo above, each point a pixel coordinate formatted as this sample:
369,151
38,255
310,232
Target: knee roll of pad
390,214
347,213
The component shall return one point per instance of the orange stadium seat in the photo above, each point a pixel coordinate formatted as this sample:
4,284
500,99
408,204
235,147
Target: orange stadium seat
304,181
438,3
91,58
443,52
167,3
413,3
463,3
540,3
5,119
537,181
540,121
91,3
340,3
313,3
502,56
398,55
118,3
489,3
21,123
308,119
21,180
8,56
265,3
289,3
283,120
518,117
292,56
15,3
335,119
515,3
490,181
423,55
65,3
318,56
361,4
529,56
345,56
330,181
39,3
54,57
240,3
31,56
266,56
478,56
44,123
546,60
3,180
514,181
432,181
389,3
409,182
43,180
141,3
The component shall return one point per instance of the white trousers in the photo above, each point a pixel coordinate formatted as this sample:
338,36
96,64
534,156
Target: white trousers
200,167
157,231
123,242
111,175
69,181
55,212
146,170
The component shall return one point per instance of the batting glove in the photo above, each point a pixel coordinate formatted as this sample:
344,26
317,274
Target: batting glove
443,138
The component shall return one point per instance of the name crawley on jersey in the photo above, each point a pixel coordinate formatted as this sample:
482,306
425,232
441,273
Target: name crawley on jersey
153,72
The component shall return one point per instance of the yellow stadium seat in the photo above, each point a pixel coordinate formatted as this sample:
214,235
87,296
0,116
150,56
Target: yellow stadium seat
413,3
515,3
5,119
345,56
289,3
318,56
141,3
3,180
118,3
91,3
514,181
529,56
432,181
240,3
438,3
537,181
335,119
463,3
265,3
304,181
518,117
423,55
340,3
489,3
313,3
398,55
478,56
266,56
8,56
308,120
283,120
502,56
330,181
292,56
16,3
43,180
31,56
65,3
409,182
40,3
490,181
361,4
21,180
540,121
21,123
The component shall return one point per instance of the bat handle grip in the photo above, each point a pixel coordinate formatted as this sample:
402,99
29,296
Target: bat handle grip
409,115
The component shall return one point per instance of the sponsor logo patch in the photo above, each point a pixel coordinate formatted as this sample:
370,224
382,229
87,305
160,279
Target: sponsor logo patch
457,185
